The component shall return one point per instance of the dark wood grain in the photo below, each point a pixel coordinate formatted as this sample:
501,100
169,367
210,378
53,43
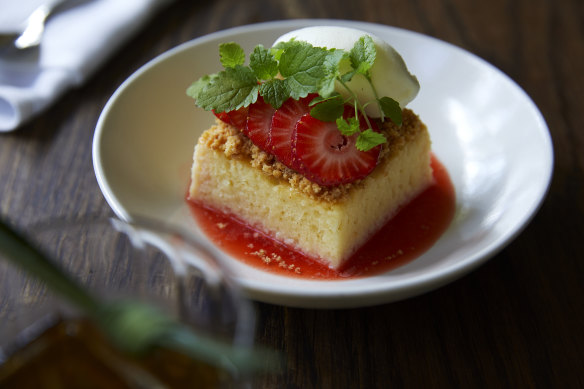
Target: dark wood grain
515,322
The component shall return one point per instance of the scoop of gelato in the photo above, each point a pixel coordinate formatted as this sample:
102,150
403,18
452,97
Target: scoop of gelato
389,73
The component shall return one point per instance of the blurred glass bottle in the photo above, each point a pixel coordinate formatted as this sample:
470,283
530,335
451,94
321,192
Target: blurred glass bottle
44,340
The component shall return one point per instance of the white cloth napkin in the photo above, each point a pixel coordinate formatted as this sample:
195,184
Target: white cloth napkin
75,43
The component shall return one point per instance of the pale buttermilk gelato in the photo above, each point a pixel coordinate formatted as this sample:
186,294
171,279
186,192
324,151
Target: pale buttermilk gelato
389,73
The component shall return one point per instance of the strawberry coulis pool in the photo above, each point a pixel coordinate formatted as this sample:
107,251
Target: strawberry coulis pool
411,232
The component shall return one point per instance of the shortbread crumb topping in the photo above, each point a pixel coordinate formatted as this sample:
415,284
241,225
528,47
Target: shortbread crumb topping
234,144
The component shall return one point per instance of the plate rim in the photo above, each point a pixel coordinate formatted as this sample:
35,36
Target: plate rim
372,294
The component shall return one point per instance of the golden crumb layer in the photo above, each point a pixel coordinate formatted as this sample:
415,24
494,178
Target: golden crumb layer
234,144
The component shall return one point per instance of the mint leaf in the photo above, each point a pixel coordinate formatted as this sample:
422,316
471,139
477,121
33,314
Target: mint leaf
348,127
319,99
331,66
391,109
363,55
195,88
328,110
278,49
230,89
275,92
348,76
368,139
263,63
302,66
231,54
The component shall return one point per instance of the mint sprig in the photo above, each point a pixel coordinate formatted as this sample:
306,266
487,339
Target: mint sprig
263,63
295,69
231,55
230,89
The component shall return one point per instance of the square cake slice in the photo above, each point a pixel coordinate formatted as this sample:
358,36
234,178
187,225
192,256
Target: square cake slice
232,175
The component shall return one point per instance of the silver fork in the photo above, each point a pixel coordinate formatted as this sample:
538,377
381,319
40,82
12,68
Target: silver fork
32,34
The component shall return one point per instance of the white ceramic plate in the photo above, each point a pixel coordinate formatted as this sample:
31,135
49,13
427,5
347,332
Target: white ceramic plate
485,130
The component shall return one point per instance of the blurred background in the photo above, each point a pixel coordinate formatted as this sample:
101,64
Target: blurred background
514,322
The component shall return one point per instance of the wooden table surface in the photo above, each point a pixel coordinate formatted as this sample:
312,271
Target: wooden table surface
517,321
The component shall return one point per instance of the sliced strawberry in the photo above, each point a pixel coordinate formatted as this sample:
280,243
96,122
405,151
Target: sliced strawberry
326,156
236,118
259,120
283,125
223,116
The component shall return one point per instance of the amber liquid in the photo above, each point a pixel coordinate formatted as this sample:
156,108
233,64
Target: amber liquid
74,354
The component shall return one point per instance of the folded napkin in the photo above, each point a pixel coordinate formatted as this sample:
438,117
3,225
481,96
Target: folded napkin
76,42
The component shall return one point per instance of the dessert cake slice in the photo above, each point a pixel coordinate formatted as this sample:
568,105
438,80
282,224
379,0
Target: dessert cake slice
328,223
313,144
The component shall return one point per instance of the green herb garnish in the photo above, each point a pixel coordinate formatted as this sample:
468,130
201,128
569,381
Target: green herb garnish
295,69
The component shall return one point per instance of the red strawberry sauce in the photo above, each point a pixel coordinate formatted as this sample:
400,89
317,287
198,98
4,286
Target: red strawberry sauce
406,236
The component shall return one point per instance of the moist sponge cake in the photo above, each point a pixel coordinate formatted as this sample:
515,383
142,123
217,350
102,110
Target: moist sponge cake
327,223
